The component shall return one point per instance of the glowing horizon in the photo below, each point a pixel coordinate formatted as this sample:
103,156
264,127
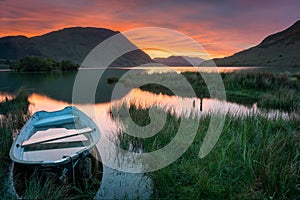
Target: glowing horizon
222,28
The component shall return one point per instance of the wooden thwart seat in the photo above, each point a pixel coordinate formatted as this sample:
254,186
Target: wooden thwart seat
57,136
56,145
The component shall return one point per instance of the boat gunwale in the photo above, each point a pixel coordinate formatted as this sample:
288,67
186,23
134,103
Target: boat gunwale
29,124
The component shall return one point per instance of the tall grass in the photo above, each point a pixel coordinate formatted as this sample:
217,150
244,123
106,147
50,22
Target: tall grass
284,99
5,143
48,186
261,81
277,91
141,118
255,158
45,183
45,188
15,110
15,114
269,90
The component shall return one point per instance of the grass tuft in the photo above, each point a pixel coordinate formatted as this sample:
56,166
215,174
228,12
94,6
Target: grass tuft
14,114
255,158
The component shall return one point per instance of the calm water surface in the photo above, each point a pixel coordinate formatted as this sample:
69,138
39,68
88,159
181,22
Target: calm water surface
53,91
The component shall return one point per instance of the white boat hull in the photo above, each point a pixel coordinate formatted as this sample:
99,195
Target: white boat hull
55,138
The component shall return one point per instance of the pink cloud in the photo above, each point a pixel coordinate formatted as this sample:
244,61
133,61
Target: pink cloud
222,27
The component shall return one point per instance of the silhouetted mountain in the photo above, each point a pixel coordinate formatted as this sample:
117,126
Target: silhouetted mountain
279,49
67,44
179,61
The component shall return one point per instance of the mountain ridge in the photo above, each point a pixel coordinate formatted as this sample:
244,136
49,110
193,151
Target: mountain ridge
179,61
278,49
72,43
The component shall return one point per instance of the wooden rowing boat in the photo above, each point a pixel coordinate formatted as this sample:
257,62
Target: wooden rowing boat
55,138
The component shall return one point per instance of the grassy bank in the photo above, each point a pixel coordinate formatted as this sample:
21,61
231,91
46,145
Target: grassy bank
14,114
277,91
255,158
269,90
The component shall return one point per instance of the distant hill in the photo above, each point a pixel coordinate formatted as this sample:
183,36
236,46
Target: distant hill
179,61
67,44
279,49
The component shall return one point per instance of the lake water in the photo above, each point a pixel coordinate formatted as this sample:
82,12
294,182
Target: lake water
53,91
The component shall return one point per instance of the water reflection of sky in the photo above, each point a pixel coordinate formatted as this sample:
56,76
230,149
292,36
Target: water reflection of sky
116,184
158,69
178,106
190,107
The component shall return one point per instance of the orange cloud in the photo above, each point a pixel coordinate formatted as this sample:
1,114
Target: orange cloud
221,27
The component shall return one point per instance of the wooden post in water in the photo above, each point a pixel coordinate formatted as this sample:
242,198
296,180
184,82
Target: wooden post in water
201,102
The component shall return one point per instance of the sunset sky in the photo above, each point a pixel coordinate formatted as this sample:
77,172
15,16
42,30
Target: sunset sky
222,27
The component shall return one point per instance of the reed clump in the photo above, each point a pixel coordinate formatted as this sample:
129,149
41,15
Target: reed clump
255,158
14,113
269,90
